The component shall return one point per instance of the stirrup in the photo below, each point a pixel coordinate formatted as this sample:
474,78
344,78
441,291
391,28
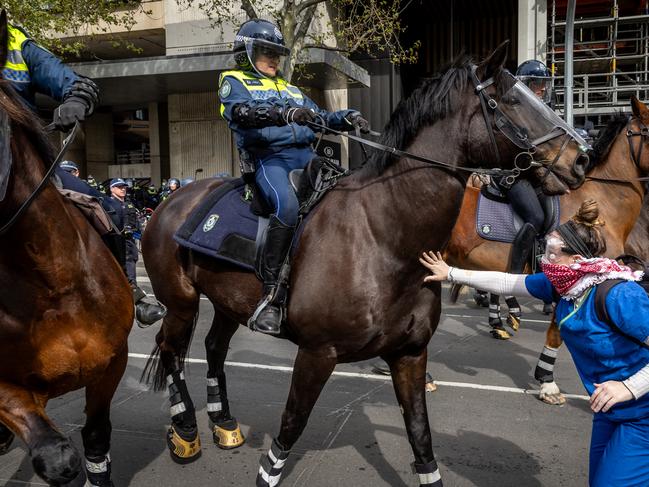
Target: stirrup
260,307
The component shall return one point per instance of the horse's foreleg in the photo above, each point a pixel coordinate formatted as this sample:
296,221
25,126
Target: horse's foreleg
97,430
408,378
54,458
495,321
225,427
513,313
544,372
310,373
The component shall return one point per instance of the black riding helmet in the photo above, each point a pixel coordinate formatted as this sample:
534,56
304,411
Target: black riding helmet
537,77
257,37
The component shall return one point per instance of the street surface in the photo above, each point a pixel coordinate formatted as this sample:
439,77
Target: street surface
488,427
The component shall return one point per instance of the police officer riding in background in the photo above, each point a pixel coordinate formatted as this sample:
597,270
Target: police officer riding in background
270,119
31,69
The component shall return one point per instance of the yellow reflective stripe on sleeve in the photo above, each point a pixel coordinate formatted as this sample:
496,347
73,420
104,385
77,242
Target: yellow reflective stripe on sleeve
15,68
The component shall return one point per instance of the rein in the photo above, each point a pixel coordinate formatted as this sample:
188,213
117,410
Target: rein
46,177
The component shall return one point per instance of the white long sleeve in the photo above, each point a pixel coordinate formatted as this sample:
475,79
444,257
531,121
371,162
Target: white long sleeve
494,282
638,383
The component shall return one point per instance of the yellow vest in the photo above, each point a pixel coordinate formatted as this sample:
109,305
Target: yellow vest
263,88
15,69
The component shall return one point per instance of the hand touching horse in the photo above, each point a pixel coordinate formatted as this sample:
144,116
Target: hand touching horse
617,161
366,298
65,308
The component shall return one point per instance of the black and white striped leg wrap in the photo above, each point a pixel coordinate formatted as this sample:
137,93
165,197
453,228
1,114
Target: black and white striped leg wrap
428,474
179,400
494,314
214,404
514,307
98,470
271,465
544,371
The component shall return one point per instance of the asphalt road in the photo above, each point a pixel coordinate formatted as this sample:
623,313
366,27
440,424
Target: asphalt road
488,428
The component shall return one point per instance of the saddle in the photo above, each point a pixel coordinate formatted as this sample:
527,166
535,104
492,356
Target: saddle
497,221
92,210
230,224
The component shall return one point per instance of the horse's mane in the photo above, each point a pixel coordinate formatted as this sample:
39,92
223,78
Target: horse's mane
21,115
603,144
433,100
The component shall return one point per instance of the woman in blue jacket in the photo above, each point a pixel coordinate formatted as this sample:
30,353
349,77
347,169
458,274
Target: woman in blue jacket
613,364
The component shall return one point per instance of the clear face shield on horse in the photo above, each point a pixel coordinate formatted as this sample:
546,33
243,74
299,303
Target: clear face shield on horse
541,86
266,57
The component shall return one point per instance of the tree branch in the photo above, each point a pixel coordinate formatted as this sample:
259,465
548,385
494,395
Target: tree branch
326,48
308,4
246,5
302,29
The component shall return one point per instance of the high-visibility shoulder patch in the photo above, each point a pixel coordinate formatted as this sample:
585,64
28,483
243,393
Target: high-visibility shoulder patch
226,89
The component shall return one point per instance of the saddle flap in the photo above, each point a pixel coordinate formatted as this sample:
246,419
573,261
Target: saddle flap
295,177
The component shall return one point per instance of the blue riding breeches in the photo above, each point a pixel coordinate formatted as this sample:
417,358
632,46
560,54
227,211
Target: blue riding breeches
619,453
272,180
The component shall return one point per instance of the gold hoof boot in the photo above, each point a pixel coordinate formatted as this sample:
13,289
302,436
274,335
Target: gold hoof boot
228,435
514,322
184,448
500,334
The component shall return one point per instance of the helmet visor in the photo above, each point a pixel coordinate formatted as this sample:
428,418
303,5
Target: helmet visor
266,57
528,111
541,86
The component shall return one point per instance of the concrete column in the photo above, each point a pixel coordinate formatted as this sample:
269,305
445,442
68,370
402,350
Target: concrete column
154,143
532,29
100,145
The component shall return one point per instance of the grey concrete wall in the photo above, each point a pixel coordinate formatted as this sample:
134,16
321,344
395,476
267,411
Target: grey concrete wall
100,151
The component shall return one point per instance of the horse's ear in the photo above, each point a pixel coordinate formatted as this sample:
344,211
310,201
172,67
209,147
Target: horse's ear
4,38
494,63
640,110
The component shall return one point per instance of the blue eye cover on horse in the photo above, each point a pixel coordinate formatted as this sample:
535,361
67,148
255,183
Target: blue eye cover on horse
222,226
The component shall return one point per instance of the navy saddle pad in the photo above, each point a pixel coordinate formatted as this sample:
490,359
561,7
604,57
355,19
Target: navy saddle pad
223,226
495,220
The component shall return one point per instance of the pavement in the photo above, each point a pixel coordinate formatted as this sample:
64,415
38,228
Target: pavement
488,426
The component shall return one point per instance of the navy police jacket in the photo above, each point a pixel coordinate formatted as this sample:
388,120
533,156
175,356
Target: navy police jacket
249,88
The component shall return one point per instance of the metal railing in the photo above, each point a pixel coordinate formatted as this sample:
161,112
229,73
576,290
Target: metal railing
141,156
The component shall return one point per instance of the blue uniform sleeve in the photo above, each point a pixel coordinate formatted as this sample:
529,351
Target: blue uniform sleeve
48,73
627,305
334,120
540,287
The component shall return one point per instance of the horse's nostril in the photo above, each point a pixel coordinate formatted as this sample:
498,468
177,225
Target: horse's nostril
581,164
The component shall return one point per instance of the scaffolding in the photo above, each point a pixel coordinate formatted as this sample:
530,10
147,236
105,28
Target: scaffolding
611,56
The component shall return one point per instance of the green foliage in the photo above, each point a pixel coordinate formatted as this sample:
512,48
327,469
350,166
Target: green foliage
81,19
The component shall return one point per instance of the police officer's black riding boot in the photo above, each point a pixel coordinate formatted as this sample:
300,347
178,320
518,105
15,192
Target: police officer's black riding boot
521,248
147,309
278,244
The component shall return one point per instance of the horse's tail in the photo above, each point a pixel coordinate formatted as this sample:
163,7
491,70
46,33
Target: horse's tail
455,292
155,372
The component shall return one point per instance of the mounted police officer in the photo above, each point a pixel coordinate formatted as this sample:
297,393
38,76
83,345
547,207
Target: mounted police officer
270,119
32,69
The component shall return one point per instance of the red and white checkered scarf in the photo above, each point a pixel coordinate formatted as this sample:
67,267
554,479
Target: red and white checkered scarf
572,280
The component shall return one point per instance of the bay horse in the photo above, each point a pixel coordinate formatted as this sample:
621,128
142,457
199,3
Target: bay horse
66,308
617,160
372,301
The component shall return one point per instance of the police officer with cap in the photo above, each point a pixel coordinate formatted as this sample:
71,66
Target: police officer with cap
148,311
70,167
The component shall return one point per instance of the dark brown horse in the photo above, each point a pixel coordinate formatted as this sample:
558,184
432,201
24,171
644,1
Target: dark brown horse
620,156
65,308
356,285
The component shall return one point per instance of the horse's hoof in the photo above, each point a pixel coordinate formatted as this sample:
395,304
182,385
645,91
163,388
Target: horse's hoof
5,443
514,322
430,384
500,333
549,393
227,435
184,447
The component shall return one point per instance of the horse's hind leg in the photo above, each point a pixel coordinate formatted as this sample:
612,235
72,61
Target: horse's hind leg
310,373
97,430
225,427
54,457
408,378
549,392
495,321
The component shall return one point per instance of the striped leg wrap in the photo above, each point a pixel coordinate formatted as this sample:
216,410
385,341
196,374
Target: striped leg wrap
271,465
428,474
494,314
214,404
179,399
544,371
514,307
98,470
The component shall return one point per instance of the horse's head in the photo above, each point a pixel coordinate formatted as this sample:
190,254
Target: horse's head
637,133
512,128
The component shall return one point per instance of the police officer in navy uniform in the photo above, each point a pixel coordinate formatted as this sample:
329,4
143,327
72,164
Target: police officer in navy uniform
172,186
70,167
270,119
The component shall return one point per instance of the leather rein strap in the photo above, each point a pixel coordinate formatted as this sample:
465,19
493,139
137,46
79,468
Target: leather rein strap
66,142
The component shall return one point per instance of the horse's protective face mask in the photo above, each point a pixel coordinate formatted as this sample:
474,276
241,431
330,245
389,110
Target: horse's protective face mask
529,122
5,153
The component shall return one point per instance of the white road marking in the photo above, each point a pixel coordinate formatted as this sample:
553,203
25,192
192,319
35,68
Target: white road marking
358,375
480,317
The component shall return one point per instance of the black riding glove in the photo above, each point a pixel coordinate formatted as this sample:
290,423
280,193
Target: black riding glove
300,116
358,122
71,110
